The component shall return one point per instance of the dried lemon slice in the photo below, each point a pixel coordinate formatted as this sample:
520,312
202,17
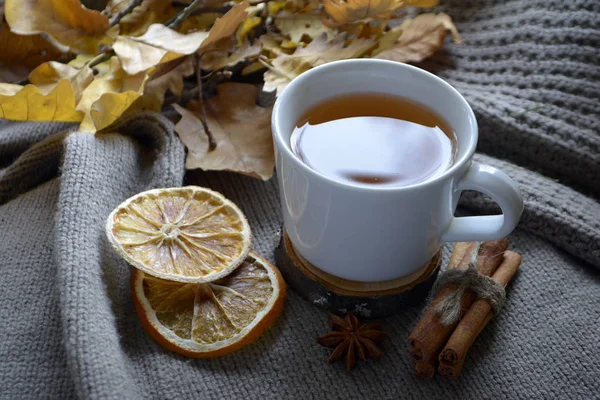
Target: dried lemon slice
188,234
210,319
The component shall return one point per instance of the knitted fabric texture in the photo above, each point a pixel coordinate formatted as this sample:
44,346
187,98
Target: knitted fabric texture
69,327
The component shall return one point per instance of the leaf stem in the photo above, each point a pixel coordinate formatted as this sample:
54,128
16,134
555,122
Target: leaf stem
127,10
211,140
178,19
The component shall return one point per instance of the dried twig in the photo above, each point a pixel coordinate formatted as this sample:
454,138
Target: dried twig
178,19
211,140
214,78
127,10
172,23
218,10
100,58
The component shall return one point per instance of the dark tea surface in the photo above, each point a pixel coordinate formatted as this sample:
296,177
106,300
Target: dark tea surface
374,139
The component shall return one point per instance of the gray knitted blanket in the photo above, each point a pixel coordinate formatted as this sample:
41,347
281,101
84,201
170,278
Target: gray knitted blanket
68,326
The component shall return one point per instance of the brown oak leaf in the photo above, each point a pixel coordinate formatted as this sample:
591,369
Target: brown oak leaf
416,39
241,129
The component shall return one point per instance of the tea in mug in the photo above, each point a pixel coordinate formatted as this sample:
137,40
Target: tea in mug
374,139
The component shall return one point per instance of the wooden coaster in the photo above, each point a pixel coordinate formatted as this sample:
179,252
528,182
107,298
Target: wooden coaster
366,299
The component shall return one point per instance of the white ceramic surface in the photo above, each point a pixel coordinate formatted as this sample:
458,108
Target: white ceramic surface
371,233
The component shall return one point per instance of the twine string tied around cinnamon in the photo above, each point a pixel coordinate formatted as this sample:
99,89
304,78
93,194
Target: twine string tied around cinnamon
449,307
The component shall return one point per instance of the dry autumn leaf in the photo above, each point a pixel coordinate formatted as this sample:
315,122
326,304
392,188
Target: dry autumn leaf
296,26
141,17
199,23
31,103
51,73
20,54
422,3
417,38
251,22
66,22
225,27
215,61
158,45
127,57
342,12
110,94
247,27
241,129
154,92
285,67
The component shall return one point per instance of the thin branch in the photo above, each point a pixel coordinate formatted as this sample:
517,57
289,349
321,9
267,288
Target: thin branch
177,20
223,9
100,58
217,10
127,10
211,140
172,23
218,76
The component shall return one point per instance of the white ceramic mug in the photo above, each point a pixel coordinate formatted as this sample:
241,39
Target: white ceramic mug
371,233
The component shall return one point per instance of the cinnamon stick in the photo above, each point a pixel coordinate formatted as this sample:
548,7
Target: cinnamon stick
451,371
430,334
453,354
426,369
459,252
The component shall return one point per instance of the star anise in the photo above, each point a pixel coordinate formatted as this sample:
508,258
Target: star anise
350,339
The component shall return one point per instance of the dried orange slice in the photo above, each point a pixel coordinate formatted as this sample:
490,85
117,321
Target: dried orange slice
187,234
210,319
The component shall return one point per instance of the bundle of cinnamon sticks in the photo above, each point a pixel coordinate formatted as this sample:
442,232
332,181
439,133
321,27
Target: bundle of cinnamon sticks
437,346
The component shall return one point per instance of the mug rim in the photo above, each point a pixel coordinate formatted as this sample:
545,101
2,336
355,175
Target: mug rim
302,80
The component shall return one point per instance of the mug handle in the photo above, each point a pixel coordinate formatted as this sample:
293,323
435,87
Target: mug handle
503,190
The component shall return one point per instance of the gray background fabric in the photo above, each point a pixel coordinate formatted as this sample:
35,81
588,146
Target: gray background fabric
69,328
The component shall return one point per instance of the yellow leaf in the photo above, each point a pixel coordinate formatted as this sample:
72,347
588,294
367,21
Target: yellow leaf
158,45
252,68
20,54
251,22
66,22
290,45
285,67
127,89
216,60
388,39
269,43
52,72
225,27
343,12
247,26
154,92
422,3
30,103
241,129
273,7
420,38
110,106
371,29
81,59
296,26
